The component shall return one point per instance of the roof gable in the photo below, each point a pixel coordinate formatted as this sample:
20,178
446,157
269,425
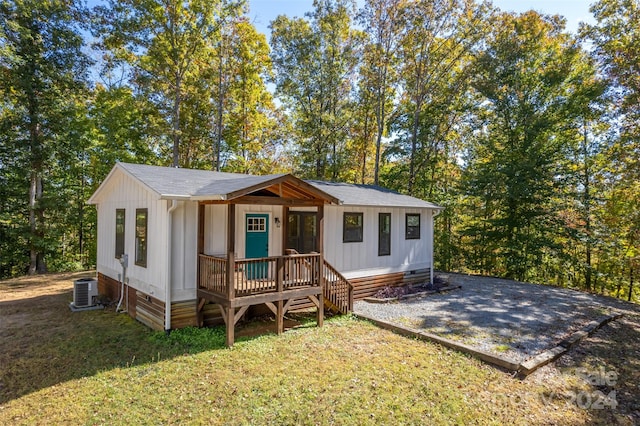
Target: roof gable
204,185
199,185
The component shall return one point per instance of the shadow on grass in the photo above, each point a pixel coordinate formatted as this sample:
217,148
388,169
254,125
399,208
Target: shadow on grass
610,361
42,343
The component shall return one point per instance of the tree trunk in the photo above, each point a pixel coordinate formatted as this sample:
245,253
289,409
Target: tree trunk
587,208
365,142
414,147
630,282
176,121
36,209
221,90
380,118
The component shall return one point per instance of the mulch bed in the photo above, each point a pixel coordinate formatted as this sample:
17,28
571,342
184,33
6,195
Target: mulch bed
389,292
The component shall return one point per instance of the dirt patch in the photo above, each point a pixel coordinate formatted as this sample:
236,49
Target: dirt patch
264,325
40,285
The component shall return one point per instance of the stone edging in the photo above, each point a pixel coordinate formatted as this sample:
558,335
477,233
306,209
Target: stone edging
410,296
522,369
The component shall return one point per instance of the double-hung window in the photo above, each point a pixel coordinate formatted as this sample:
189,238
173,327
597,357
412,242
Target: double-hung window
352,227
384,234
141,237
120,216
412,226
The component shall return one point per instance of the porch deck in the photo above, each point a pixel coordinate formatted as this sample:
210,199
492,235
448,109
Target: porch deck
274,281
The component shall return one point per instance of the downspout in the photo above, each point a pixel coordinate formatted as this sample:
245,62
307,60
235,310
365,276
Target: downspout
167,296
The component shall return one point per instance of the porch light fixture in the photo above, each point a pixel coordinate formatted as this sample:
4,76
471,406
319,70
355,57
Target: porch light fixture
277,221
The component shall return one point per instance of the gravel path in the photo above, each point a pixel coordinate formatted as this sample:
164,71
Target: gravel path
512,319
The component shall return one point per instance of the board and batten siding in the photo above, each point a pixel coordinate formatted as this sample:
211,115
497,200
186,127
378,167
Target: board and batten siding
215,228
184,251
360,259
126,193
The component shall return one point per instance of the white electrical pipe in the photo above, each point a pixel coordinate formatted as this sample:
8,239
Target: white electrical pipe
124,260
167,297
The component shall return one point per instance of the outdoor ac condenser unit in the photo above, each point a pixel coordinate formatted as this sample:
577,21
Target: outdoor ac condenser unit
84,292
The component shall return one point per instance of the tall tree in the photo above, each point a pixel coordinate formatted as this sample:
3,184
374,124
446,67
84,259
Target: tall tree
43,74
251,127
616,44
382,23
436,40
314,63
165,42
527,79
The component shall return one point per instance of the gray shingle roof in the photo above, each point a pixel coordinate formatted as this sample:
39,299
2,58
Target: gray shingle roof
370,195
182,183
176,183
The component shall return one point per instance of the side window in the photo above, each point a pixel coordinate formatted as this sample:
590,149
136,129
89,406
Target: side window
412,226
120,215
352,228
384,234
141,237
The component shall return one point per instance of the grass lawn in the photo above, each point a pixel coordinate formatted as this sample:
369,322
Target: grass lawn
99,367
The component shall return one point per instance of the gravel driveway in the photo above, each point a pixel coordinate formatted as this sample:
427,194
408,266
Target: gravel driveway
509,318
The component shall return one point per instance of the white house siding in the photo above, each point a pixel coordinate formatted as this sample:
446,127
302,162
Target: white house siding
361,259
126,193
184,242
215,229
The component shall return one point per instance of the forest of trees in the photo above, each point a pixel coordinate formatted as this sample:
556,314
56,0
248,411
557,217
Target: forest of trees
528,134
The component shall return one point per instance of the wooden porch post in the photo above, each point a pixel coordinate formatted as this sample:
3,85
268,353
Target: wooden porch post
201,228
231,266
320,313
231,249
285,224
231,327
280,289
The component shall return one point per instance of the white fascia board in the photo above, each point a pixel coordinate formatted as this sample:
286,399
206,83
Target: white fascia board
175,197
217,197
390,206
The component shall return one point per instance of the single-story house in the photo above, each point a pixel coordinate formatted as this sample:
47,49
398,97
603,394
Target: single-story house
201,245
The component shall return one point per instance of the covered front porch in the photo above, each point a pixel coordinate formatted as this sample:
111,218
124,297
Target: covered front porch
258,275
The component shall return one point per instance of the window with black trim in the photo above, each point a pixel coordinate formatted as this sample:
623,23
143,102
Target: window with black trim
412,226
141,237
120,214
384,234
352,228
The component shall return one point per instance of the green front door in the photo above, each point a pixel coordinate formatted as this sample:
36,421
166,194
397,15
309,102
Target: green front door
257,244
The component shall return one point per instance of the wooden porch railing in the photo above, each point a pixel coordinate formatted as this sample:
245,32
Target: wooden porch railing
259,275
338,291
276,274
213,274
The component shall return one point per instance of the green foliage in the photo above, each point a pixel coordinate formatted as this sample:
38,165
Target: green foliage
529,141
314,62
43,74
192,340
525,79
